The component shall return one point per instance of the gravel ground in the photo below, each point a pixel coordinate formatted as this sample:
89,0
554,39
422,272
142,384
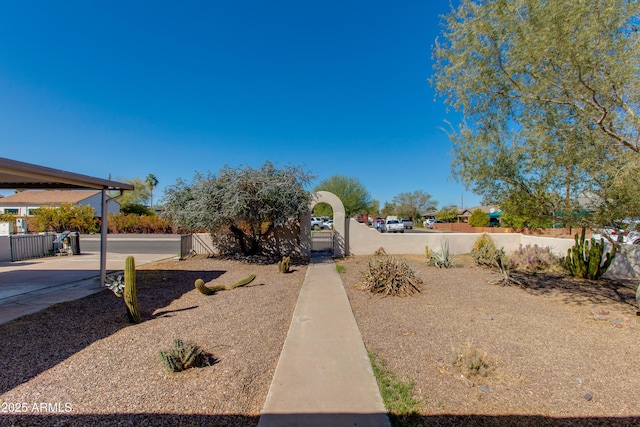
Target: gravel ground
81,363
560,351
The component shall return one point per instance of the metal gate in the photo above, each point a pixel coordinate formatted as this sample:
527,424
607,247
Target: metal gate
322,241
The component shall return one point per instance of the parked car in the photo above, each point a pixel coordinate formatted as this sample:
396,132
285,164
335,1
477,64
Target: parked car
316,223
408,224
428,223
327,225
392,225
628,235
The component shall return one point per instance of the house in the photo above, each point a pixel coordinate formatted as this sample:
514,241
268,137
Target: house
492,211
26,202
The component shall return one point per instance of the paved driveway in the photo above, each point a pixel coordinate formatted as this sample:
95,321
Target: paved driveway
29,286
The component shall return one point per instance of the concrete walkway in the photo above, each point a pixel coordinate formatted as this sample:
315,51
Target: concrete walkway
324,376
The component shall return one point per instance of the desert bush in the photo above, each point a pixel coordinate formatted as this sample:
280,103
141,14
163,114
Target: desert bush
534,258
442,259
141,224
65,217
485,252
390,276
479,219
472,362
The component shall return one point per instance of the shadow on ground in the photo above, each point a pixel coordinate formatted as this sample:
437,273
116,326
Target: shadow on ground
310,420
575,291
74,325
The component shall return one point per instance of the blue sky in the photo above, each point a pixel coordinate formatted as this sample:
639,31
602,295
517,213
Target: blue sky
170,88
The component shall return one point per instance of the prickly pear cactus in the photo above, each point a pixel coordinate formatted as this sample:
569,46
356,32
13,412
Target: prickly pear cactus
130,297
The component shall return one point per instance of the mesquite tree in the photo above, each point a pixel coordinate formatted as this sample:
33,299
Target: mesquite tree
246,201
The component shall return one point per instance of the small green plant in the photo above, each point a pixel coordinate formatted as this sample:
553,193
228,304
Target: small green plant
283,265
428,253
184,356
587,258
442,259
389,276
484,251
341,269
506,279
398,396
472,362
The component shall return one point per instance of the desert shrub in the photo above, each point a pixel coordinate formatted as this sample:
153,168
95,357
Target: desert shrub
132,223
534,258
472,362
442,259
390,276
485,252
65,217
479,219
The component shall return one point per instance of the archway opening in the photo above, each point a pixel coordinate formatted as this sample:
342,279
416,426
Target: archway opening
325,201
322,228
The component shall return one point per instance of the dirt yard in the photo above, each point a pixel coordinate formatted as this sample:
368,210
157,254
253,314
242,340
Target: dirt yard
558,351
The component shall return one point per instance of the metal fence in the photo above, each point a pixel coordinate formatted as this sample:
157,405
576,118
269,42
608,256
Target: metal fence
322,241
28,246
192,244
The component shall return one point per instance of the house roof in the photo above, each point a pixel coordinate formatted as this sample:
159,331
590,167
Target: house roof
46,197
16,175
486,209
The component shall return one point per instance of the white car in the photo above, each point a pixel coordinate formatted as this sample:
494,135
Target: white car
428,223
328,225
316,223
627,236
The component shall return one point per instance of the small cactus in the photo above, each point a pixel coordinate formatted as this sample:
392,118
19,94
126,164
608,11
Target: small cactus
210,290
283,266
206,290
183,356
130,297
242,282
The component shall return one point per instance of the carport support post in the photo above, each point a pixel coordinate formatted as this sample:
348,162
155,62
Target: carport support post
103,238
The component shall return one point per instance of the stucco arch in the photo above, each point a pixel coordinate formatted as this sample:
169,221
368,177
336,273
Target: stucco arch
339,223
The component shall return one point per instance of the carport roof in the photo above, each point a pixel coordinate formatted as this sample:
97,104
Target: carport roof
19,175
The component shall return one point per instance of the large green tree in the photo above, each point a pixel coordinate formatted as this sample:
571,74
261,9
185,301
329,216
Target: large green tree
353,194
410,205
549,92
249,202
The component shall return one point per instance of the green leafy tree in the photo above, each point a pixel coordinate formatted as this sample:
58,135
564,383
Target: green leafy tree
389,209
246,201
374,208
410,205
448,214
354,196
479,219
66,217
152,182
549,92
140,195
135,208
